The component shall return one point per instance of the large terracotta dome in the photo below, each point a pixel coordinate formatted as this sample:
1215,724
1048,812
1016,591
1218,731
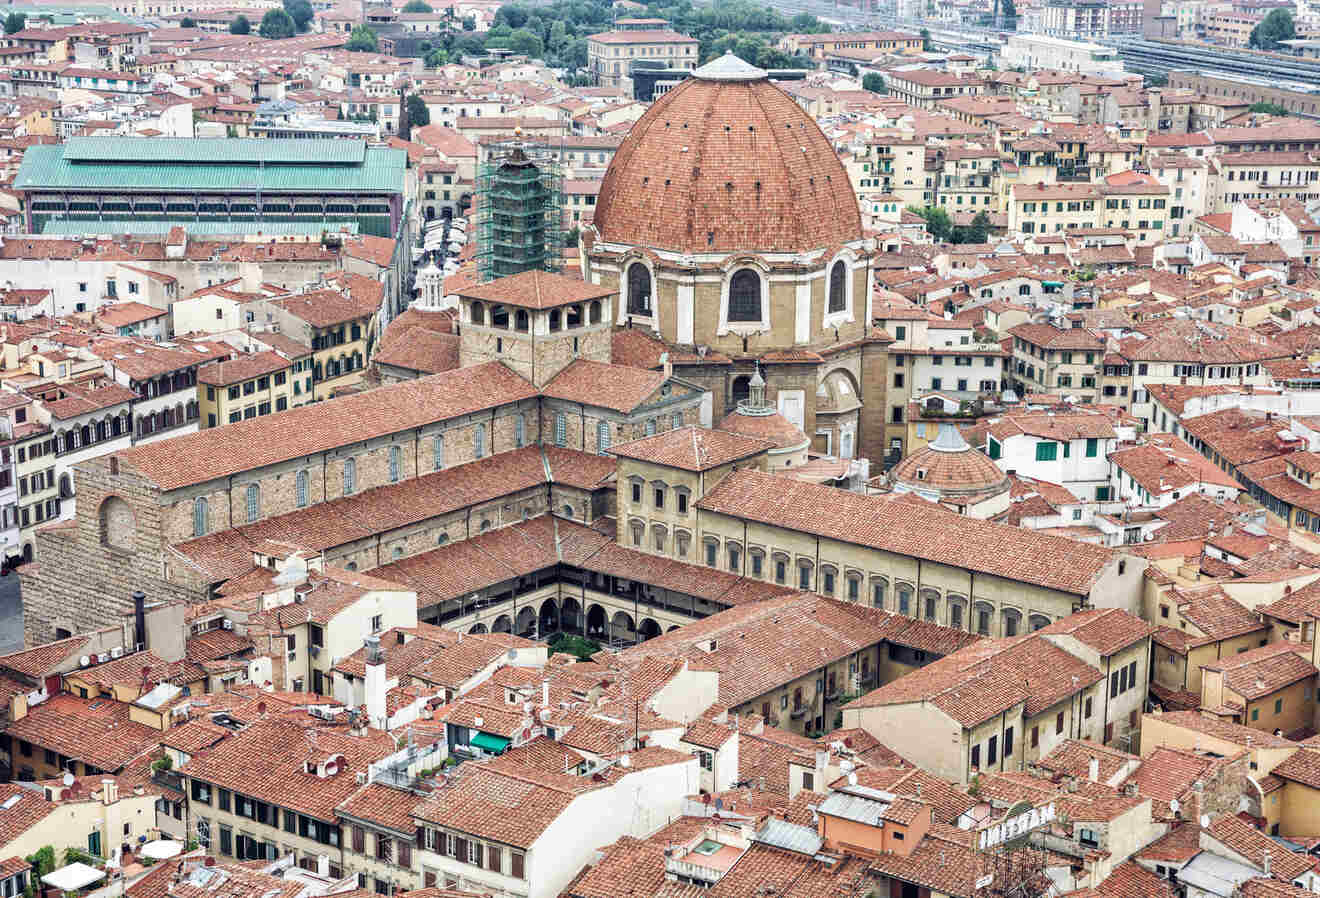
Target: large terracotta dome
727,162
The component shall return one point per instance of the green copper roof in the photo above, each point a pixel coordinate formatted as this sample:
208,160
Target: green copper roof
137,164
204,228
175,150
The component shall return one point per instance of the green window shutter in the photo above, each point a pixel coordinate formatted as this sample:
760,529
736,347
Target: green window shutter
994,449
1067,448
1092,445
1046,451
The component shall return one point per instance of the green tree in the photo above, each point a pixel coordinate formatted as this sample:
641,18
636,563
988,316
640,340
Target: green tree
1009,9
515,15
1275,27
42,861
187,22
925,40
577,646
470,23
301,12
875,83
417,6
15,22
976,232
437,58
241,25
522,41
277,24
361,40
938,223
1269,109
418,114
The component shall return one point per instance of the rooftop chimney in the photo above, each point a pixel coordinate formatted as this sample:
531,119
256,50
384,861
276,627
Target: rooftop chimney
139,619
375,683
1093,769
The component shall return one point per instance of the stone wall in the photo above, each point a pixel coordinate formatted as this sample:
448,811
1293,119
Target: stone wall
81,582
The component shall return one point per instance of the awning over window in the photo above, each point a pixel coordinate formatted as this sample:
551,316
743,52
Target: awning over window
490,743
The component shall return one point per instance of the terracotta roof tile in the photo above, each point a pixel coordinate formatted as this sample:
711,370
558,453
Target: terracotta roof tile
221,451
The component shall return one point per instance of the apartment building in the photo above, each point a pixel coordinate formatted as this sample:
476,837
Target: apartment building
1051,359
339,327
610,54
1000,706
966,180
285,803
250,385
924,88
1043,208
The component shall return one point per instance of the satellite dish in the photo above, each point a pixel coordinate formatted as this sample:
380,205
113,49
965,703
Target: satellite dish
1205,821
68,778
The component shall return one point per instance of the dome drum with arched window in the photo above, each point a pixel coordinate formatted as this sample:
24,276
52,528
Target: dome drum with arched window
712,253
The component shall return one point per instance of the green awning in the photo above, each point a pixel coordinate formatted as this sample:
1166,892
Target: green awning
1052,283
495,744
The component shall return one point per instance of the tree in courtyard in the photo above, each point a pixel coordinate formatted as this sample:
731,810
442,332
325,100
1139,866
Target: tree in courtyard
15,22
241,25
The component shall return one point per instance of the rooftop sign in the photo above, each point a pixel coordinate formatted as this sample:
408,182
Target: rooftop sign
1017,824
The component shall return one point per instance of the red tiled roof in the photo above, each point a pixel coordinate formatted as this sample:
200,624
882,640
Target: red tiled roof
221,451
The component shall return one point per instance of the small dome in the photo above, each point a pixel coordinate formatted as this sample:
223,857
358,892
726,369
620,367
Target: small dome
949,467
773,428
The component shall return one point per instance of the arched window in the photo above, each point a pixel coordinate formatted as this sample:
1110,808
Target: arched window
253,502
1012,621
602,437
878,588
301,489
201,516
568,511
396,553
904,599
66,486
838,286
478,313
742,388
479,441
1024,290
396,462
438,451
350,476
442,539
117,524
745,296
639,289
677,421
594,311
561,429
352,566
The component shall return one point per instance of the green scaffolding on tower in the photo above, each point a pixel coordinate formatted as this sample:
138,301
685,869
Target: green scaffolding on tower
520,218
